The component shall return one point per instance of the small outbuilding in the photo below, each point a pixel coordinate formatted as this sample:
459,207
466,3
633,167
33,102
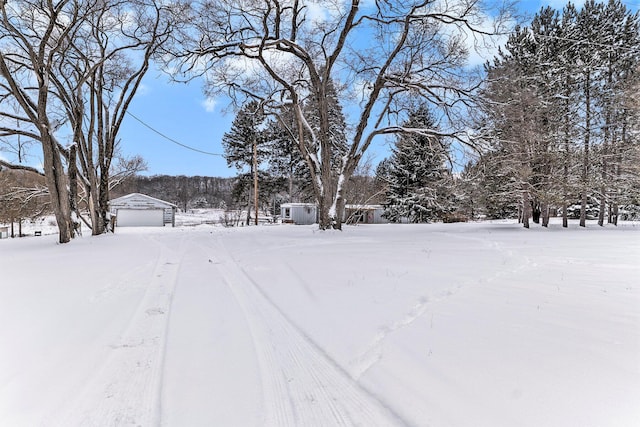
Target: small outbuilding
364,214
299,213
140,210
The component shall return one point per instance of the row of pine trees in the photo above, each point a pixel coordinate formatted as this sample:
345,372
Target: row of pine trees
560,114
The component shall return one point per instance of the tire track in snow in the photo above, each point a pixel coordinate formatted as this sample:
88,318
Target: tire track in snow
127,386
302,384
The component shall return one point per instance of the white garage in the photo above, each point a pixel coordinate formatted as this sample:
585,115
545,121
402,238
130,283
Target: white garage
140,217
140,210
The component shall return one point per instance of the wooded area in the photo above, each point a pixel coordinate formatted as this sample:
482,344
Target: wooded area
561,114
550,126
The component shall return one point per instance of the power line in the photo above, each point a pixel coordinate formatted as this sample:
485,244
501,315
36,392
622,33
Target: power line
168,138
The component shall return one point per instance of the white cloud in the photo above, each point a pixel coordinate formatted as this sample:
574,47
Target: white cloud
319,12
491,31
143,89
209,104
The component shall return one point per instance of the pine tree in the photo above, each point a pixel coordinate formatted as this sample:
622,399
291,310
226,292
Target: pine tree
419,184
285,158
620,30
556,107
285,155
244,144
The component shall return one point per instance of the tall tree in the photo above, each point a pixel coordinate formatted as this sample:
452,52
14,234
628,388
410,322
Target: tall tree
244,146
72,68
289,54
589,25
285,159
419,183
553,102
33,39
96,81
619,29
285,156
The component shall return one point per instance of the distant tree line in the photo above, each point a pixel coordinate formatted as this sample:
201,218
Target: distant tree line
23,196
186,192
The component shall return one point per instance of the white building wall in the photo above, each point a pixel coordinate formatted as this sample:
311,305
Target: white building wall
142,202
299,213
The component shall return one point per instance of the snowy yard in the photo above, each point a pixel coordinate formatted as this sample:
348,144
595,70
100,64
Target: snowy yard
479,324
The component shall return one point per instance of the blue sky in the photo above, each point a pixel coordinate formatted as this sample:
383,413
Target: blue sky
183,113
180,112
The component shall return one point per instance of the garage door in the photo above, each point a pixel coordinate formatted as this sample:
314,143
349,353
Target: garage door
140,217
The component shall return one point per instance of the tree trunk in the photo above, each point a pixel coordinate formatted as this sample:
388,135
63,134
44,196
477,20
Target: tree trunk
249,197
545,214
103,202
73,184
587,141
605,166
567,157
329,217
58,186
255,177
608,141
290,181
602,205
535,211
526,209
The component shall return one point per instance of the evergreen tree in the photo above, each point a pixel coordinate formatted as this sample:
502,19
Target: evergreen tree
618,71
285,155
285,158
244,144
556,108
419,184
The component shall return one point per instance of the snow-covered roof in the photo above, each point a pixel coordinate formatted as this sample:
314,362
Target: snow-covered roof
364,207
130,198
304,205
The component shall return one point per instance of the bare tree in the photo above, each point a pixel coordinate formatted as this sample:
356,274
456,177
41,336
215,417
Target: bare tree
100,74
17,146
73,68
32,40
23,195
380,57
125,168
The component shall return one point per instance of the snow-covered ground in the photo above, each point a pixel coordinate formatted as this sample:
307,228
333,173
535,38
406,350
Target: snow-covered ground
479,324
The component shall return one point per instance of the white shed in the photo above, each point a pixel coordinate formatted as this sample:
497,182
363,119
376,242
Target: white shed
299,213
140,210
364,214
